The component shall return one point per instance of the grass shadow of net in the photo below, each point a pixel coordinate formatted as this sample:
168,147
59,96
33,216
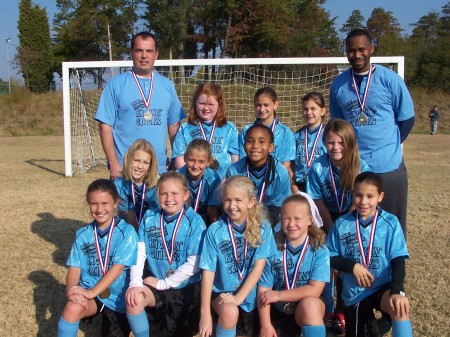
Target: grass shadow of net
49,298
58,231
49,165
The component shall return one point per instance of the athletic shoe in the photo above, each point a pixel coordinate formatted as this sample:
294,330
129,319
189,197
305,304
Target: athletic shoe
339,324
328,321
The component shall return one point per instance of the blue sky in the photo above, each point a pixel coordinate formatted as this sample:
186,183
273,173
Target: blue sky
406,11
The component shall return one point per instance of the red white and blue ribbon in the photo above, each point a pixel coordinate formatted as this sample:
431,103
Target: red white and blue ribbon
340,203
362,103
103,262
241,269
170,254
263,187
310,157
199,195
144,100
287,284
365,260
144,189
211,136
272,127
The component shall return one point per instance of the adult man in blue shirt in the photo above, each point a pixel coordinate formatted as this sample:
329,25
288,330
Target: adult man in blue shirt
377,103
140,103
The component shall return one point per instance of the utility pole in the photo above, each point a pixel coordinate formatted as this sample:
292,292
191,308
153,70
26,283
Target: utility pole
7,40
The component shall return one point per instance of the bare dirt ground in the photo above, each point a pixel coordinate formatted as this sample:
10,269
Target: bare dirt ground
42,209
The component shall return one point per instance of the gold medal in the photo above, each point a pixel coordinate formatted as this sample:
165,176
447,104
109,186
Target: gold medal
148,115
289,308
362,119
105,293
170,272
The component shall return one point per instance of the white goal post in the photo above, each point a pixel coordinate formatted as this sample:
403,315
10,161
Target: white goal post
292,78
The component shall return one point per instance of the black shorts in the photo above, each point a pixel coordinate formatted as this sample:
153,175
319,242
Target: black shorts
114,324
360,319
177,310
247,324
284,324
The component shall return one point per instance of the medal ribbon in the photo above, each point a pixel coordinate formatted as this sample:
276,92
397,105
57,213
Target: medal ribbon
144,188
199,194
170,254
297,266
103,263
272,127
145,101
263,187
310,157
366,260
211,136
333,186
362,104
235,250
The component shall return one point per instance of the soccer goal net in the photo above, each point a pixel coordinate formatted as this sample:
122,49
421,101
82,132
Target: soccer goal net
291,78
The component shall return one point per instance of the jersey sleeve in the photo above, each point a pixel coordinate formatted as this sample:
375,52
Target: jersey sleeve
213,198
320,270
124,192
74,257
208,257
125,252
267,277
402,102
233,140
180,142
176,112
107,106
335,111
313,183
288,149
195,240
333,241
283,188
397,244
267,247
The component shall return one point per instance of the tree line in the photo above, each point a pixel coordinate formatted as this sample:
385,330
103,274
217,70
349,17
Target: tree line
101,30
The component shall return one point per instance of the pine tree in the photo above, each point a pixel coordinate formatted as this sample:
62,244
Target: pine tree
35,51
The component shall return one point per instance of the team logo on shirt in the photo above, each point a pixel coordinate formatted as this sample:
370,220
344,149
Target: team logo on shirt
351,250
141,111
353,114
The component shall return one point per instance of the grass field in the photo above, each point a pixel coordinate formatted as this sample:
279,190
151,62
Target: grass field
42,209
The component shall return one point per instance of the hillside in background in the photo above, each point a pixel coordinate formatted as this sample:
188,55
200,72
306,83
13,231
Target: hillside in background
26,114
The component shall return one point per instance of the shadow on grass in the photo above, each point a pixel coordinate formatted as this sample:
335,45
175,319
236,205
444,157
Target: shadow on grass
60,232
49,300
43,164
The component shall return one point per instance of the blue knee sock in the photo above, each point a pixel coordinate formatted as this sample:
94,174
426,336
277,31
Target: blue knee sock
139,324
221,332
67,329
401,328
328,296
313,331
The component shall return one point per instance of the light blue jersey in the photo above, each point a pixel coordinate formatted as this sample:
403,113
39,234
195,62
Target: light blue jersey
284,149
319,185
126,197
315,266
208,197
314,146
217,256
388,102
389,243
122,108
274,192
188,242
224,143
123,251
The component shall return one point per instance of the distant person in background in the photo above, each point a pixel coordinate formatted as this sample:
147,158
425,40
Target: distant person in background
138,104
434,117
377,103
